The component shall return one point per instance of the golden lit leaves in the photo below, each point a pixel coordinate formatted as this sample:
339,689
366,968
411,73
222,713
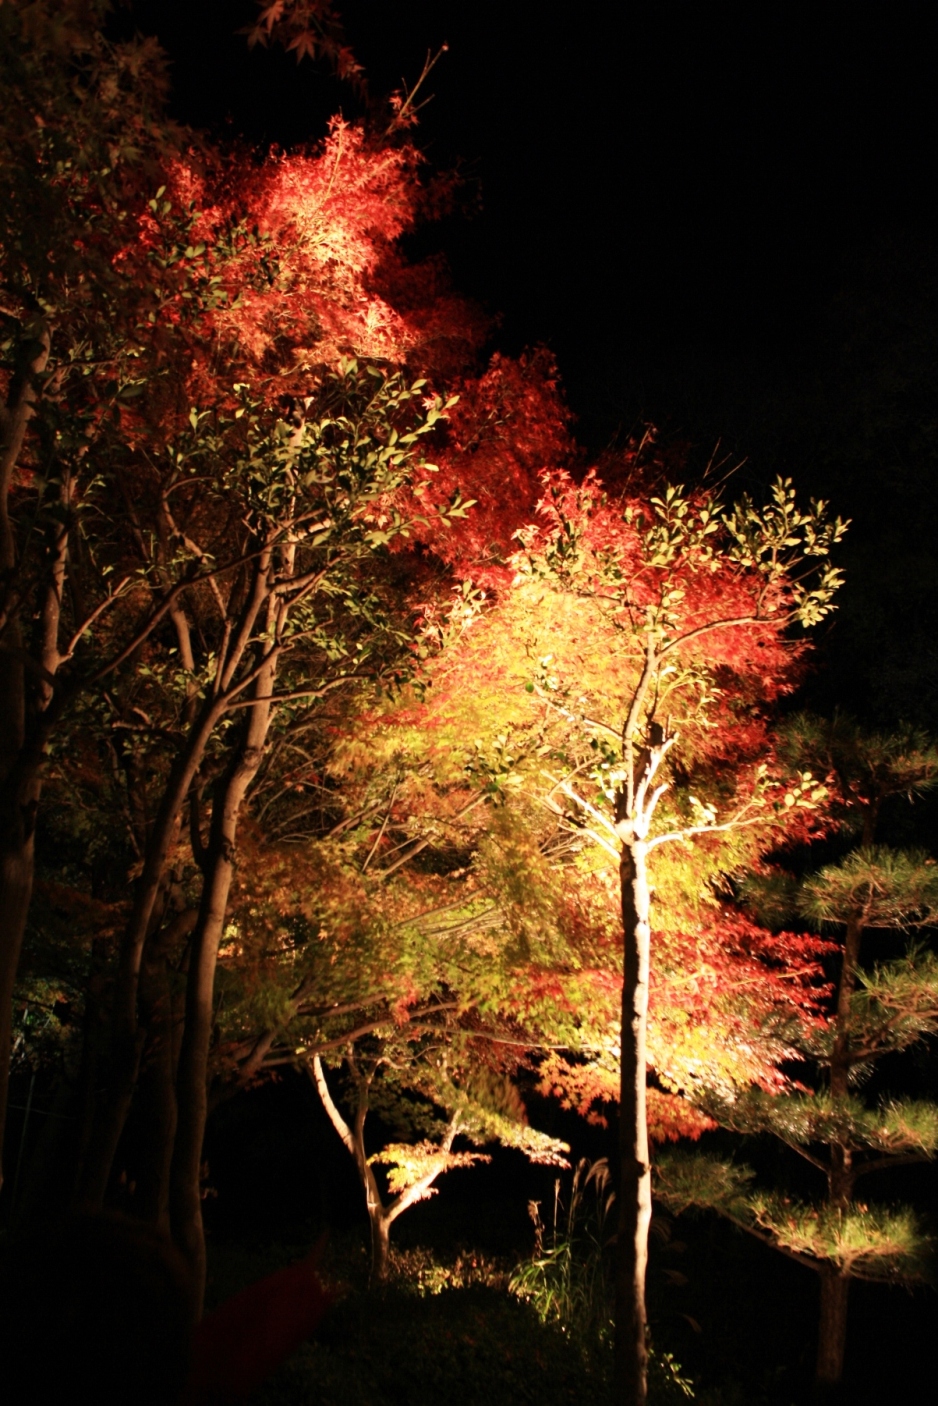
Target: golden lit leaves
409,1164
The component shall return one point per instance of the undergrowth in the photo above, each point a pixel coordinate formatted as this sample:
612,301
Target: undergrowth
467,1327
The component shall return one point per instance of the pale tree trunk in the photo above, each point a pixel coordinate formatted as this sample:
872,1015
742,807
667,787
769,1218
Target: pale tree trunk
380,1245
631,1352
192,1077
380,1216
635,807
354,1139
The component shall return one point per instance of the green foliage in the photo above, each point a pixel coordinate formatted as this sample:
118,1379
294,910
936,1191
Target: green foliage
451,1085
444,1329
866,1242
688,1180
868,766
409,1163
896,1003
472,1345
777,538
803,1119
567,1279
483,1123
771,896
876,1009
879,887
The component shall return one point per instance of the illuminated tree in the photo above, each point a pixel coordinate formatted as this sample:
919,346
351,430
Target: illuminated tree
876,1010
429,1087
670,607
672,618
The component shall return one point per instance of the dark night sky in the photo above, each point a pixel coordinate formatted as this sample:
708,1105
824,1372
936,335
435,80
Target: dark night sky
657,178
721,219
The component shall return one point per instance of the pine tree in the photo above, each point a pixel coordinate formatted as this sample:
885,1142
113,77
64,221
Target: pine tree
877,1008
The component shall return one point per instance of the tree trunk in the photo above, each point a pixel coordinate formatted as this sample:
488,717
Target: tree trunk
19,789
380,1216
631,1353
125,1042
380,1246
20,792
192,1077
126,1034
832,1332
379,1219
156,1088
16,884
840,1053
126,1038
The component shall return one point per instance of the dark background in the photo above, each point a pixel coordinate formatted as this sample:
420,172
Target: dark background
722,220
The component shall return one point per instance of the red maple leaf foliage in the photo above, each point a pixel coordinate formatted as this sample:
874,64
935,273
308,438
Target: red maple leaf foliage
309,29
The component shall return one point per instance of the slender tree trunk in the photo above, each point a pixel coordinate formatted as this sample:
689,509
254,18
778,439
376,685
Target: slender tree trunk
631,1353
126,1036
125,1041
832,1331
840,1053
380,1246
19,792
93,1042
156,1088
126,1033
380,1216
354,1138
192,1077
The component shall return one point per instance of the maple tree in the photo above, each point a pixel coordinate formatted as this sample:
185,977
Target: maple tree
634,608
702,598
227,552
409,923
429,1086
582,624
307,28
329,959
875,1011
